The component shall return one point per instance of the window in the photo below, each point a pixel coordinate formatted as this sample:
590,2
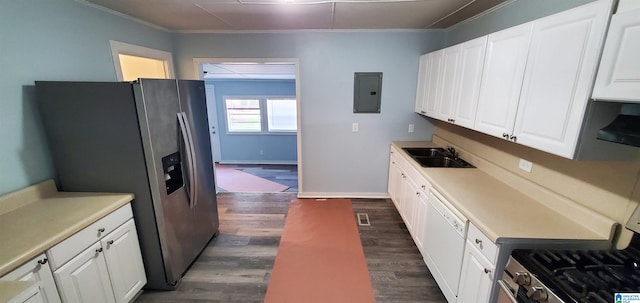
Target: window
281,115
243,115
261,115
132,62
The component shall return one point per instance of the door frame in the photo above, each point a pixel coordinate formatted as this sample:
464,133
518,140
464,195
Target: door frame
199,75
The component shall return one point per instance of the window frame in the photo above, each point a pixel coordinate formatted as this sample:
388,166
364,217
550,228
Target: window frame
118,48
264,119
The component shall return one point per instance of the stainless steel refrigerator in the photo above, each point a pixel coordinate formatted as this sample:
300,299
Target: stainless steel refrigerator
150,138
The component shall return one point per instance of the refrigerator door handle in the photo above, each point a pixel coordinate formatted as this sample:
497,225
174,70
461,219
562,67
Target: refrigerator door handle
194,176
187,144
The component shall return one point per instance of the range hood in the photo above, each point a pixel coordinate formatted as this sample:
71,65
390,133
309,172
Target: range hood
625,128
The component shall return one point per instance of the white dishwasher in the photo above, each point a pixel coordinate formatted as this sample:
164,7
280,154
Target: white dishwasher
445,234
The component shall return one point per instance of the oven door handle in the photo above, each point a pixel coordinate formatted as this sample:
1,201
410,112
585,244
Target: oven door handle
509,292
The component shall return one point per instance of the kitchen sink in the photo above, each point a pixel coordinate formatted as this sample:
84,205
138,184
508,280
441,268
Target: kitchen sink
425,152
442,161
437,157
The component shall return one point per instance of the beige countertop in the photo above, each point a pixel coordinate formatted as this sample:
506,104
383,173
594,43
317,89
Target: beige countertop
49,218
498,210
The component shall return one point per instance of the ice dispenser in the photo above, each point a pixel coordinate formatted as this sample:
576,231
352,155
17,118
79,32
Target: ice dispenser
172,172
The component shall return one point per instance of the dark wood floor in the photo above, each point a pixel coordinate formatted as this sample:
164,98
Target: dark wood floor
236,265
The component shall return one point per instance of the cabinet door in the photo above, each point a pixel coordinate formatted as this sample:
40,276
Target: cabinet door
124,262
560,69
396,177
502,75
37,270
619,73
432,89
421,85
421,220
410,197
475,278
32,294
85,278
449,83
468,84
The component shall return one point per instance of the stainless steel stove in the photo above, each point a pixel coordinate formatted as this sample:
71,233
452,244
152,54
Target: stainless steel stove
577,276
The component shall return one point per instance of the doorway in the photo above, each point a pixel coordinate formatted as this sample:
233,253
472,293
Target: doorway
253,108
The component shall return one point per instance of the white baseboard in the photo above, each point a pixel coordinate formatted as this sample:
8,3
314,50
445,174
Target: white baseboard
257,162
310,195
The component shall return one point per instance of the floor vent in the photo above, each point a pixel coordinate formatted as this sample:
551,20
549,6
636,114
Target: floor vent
363,219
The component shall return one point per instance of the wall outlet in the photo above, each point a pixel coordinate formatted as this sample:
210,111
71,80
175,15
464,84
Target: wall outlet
354,127
411,128
525,165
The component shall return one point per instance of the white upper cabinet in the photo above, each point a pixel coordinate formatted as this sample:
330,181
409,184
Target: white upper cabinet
504,67
468,82
448,83
433,79
422,78
619,74
557,82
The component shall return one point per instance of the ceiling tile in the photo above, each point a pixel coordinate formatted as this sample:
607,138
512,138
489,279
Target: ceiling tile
415,14
271,16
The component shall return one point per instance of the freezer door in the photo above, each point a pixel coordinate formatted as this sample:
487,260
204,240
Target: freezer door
194,104
158,108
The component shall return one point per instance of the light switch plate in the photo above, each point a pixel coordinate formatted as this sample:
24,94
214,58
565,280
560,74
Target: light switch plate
411,128
525,165
354,127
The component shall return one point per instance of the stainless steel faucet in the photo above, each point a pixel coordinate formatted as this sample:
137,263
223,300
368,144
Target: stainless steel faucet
452,152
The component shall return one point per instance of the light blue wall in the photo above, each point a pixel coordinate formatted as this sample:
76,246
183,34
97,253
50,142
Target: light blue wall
334,159
518,12
51,40
239,148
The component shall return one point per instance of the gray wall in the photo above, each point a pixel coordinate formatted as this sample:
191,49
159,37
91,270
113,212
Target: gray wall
517,12
334,159
250,148
51,40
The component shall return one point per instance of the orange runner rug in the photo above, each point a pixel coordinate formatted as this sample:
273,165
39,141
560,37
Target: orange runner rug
233,180
320,258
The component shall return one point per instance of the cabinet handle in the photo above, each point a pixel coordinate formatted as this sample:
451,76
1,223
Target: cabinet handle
505,135
101,230
478,241
513,138
453,120
417,193
110,242
43,261
423,112
423,187
99,250
486,271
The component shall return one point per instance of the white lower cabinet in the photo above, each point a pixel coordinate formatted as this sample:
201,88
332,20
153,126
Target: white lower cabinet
36,270
478,268
101,263
476,277
85,278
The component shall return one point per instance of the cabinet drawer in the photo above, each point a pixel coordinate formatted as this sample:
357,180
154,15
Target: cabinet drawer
419,180
482,243
69,248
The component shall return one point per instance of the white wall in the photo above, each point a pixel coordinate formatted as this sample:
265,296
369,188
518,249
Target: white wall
334,159
51,40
